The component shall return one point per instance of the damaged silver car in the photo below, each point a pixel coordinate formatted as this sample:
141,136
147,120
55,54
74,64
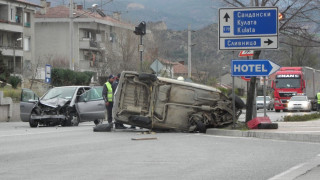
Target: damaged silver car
159,103
65,106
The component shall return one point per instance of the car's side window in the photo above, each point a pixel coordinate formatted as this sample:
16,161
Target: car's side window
95,94
28,95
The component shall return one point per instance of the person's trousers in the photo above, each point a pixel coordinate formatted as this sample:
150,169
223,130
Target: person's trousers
318,107
109,112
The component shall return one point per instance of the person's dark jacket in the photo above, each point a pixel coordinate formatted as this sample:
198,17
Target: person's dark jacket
115,85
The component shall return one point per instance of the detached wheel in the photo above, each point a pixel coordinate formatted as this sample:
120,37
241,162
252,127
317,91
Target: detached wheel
147,77
268,126
97,122
33,123
238,101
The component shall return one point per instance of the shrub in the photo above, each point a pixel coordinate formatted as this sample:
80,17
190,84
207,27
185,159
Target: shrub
66,77
305,117
8,91
223,90
14,81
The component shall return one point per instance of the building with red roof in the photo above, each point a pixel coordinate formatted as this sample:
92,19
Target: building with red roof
92,31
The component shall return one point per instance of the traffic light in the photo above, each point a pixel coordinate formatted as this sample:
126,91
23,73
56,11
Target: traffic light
140,29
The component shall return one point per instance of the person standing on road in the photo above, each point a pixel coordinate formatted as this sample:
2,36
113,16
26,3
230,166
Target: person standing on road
114,87
318,100
107,95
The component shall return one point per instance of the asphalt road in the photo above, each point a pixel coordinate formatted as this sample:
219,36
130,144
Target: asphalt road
80,153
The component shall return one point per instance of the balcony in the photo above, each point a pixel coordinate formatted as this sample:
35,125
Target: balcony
88,44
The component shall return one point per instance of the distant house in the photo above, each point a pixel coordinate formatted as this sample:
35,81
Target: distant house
176,69
226,82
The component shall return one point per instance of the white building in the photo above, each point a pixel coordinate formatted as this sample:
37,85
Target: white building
92,32
17,35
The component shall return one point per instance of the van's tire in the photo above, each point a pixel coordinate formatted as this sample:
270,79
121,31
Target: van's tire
147,77
268,126
201,127
140,120
238,101
32,122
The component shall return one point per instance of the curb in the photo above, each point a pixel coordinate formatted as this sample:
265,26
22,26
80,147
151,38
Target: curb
315,138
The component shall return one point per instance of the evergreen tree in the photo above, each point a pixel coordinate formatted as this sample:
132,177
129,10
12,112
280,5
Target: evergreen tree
4,73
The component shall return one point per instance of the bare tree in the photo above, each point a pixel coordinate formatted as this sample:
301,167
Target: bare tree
122,53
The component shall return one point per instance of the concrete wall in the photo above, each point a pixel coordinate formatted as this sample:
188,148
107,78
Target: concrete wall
52,42
5,108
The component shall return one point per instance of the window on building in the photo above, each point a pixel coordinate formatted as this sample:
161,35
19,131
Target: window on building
26,43
87,34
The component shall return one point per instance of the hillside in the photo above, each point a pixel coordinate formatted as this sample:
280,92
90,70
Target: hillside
176,13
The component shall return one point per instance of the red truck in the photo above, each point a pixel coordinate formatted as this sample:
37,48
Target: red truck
291,81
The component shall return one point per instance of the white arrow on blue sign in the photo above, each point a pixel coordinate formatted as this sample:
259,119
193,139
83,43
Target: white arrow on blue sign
253,67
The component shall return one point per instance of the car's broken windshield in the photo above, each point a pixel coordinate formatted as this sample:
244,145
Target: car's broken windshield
60,92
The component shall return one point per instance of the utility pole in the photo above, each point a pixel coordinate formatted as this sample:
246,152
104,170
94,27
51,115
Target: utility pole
189,52
14,58
252,88
71,36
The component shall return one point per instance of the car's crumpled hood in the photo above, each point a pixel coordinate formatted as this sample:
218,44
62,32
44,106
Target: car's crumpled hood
55,102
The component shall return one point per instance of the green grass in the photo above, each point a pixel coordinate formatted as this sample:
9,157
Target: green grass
15,94
297,118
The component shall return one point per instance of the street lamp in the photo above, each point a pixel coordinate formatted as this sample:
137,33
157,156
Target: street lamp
14,55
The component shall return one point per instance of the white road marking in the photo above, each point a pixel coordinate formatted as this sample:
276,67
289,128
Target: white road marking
280,176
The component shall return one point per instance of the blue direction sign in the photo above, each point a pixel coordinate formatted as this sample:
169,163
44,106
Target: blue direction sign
248,28
48,74
253,67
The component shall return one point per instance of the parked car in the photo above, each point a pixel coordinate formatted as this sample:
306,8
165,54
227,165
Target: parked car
152,102
260,102
65,106
299,103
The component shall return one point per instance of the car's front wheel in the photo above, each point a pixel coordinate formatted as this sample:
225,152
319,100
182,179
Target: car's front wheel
75,121
33,123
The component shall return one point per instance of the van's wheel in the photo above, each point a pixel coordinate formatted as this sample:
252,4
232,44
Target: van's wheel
201,127
196,119
33,123
277,110
147,77
238,101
